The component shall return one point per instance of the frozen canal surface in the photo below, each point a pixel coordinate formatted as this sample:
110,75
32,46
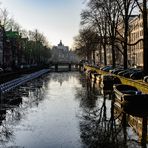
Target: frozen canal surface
61,110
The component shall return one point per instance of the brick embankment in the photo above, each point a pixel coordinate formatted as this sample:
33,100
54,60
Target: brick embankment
142,86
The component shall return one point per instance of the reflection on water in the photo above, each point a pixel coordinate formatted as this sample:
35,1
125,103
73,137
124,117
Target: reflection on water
65,110
14,104
37,120
88,94
104,126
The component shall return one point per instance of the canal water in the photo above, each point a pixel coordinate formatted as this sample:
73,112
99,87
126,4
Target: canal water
62,110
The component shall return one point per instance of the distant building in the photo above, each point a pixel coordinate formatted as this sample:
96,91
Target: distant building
62,54
62,47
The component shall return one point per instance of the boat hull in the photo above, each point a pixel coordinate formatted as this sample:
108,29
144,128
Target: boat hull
131,99
107,81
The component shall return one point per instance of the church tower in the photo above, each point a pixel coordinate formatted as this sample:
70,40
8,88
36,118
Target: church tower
60,44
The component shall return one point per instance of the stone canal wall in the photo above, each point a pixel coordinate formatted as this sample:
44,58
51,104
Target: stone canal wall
142,86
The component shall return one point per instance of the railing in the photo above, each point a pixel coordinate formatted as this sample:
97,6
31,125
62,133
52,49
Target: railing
142,86
5,87
57,66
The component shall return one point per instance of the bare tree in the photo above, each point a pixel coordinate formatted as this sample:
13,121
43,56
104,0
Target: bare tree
13,25
7,22
85,43
38,37
112,16
93,18
103,15
4,18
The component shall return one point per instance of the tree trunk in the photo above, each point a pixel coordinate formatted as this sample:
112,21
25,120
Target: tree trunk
125,36
113,53
145,39
125,45
94,57
113,44
100,54
105,60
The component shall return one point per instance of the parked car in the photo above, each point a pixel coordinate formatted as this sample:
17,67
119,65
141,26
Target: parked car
8,69
101,68
128,73
116,70
1,70
145,79
107,68
120,73
137,75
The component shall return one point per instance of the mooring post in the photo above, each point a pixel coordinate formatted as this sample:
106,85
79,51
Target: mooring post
56,67
69,67
0,96
124,124
144,132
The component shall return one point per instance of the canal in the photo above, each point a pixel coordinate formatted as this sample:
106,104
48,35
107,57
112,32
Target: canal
63,110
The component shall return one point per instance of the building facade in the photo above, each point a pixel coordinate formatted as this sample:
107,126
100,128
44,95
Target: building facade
135,41
136,34
61,53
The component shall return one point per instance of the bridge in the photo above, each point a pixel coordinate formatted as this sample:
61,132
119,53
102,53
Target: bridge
64,66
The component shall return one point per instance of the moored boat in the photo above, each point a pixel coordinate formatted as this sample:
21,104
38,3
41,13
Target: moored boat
122,90
134,119
108,80
136,108
130,94
134,104
98,79
89,73
94,76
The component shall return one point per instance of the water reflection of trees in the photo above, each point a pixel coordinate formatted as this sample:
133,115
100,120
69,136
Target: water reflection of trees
88,94
100,130
99,126
14,104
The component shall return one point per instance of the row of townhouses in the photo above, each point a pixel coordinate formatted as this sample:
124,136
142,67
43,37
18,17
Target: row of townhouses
135,52
10,53
16,51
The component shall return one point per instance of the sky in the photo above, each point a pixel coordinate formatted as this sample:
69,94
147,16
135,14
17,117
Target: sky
56,19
